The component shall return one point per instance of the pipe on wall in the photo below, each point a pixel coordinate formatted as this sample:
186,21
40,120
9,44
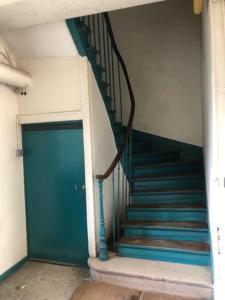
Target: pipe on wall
14,77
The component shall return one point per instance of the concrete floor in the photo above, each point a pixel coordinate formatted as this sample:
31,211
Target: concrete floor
42,281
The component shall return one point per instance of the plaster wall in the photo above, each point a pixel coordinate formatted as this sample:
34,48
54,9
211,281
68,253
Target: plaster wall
213,74
160,44
13,246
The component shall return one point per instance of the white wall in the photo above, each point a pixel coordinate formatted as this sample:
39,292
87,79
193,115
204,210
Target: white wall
56,86
12,213
47,40
213,74
104,149
160,44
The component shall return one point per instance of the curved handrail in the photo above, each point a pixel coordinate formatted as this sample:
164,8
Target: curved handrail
132,100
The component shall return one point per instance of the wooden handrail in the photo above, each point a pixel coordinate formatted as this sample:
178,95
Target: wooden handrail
132,101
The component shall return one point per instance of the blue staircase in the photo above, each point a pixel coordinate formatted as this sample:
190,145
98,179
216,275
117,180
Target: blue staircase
167,216
165,213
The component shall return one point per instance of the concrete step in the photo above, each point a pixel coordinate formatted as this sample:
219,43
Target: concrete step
154,276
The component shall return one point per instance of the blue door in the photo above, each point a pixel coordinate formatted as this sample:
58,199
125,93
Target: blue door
55,192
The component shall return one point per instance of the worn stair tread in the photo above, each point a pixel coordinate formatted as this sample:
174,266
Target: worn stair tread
166,224
169,205
166,244
168,176
167,191
166,164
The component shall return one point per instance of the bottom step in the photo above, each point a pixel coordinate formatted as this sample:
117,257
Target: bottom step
184,252
154,276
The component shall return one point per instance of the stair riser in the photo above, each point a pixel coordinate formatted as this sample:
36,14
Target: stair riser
167,234
166,215
170,184
179,169
190,198
137,148
145,159
174,256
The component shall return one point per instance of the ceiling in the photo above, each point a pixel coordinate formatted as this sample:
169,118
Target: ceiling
46,40
22,13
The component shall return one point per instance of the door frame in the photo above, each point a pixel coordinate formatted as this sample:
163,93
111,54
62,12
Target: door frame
85,118
53,126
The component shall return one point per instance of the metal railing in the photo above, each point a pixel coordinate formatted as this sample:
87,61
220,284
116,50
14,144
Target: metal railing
113,80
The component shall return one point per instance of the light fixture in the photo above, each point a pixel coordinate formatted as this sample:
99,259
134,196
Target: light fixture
198,6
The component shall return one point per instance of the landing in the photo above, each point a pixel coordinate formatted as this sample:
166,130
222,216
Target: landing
38,281
154,276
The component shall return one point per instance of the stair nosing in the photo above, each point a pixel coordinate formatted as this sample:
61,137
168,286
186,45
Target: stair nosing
205,253
165,228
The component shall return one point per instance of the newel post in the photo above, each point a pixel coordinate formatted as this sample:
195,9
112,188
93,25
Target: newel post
103,255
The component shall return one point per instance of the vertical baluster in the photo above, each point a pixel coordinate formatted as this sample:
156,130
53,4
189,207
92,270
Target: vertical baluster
103,255
118,203
120,102
99,41
89,26
94,31
113,210
127,178
113,79
124,178
104,48
130,164
109,65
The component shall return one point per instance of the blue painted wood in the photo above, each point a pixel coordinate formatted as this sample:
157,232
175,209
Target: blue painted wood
73,26
165,254
161,143
140,147
182,167
190,197
151,157
103,255
55,197
169,182
167,233
162,214
13,269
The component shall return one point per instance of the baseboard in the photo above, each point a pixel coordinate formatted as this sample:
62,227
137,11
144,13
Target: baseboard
13,269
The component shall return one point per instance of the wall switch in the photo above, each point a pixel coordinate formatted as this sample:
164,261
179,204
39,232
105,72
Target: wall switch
19,152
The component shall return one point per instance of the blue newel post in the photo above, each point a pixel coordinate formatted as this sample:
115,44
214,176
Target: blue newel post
103,255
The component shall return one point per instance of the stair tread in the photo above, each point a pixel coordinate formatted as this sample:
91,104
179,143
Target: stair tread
168,176
171,244
170,205
174,191
167,224
155,153
171,163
